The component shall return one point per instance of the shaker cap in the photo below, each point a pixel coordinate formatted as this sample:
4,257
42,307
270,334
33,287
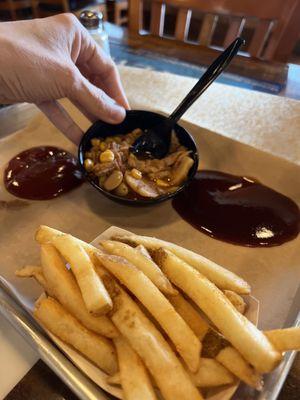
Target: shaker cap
90,19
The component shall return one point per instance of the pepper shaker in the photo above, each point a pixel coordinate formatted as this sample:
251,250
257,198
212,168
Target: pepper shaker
93,22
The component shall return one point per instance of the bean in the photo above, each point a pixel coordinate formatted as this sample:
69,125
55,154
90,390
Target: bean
88,164
122,190
113,181
102,179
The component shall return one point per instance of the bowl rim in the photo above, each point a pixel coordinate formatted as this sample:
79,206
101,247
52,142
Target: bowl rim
126,200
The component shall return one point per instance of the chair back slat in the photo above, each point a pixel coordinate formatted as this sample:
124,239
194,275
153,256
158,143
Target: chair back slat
12,7
260,37
157,18
286,32
235,29
207,29
136,10
182,24
262,9
274,37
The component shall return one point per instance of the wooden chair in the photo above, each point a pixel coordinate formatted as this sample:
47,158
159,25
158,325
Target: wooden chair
12,6
45,8
276,25
121,12
117,11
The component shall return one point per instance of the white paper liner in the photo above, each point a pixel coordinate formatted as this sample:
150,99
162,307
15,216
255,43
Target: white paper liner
98,376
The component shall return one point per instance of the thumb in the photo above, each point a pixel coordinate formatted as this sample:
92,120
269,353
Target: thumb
95,101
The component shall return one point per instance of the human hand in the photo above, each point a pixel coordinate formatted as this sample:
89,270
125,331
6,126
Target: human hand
47,59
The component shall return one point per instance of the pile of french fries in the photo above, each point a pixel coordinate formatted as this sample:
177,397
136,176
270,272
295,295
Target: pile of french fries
153,315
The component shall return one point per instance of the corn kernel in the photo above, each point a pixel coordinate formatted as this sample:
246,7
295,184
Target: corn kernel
107,156
103,146
136,173
162,183
95,142
88,164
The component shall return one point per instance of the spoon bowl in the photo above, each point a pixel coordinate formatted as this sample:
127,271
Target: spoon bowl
135,119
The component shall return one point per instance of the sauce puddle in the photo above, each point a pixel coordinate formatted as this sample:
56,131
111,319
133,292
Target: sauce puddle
238,210
42,173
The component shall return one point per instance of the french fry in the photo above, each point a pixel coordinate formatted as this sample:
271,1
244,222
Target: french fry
142,249
212,343
62,324
45,235
211,373
134,377
222,277
232,360
237,329
93,291
184,308
185,341
62,285
285,339
32,271
236,300
114,379
146,265
169,374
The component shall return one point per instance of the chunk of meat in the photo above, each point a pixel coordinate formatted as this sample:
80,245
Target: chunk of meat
165,174
153,166
181,170
105,168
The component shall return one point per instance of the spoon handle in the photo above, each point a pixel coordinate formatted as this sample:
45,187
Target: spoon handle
213,71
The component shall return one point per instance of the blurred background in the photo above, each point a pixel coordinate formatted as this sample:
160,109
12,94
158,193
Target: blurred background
271,27
185,36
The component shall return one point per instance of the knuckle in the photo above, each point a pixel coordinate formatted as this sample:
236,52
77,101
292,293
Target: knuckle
71,80
69,18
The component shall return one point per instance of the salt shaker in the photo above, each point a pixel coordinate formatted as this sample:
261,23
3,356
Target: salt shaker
93,22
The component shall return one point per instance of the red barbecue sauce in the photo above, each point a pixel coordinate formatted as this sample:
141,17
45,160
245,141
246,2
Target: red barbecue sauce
237,209
42,173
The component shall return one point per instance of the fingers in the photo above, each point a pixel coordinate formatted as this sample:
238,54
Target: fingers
87,114
102,68
61,119
110,82
95,101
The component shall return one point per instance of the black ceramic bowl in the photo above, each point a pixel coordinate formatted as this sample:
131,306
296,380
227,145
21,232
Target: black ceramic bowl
135,119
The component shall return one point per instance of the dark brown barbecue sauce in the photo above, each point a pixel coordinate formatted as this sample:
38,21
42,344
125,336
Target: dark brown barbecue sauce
42,173
238,210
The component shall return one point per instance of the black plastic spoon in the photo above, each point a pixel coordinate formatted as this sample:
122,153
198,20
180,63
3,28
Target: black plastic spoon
155,142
